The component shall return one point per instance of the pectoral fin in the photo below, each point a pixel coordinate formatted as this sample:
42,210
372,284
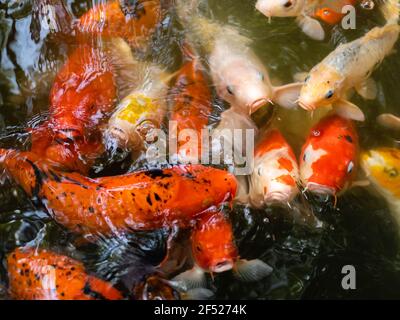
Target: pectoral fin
367,89
287,96
190,279
197,294
389,121
312,28
348,110
251,270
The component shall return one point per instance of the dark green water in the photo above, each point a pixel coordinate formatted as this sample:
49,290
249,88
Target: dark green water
307,261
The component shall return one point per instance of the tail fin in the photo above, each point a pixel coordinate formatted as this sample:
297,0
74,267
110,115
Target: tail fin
390,10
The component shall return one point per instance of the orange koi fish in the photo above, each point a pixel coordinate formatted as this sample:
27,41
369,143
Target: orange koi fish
276,172
329,157
332,13
82,96
214,251
45,275
134,21
192,106
144,200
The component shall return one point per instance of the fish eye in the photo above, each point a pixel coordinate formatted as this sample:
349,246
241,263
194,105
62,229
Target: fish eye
288,4
261,76
307,78
329,94
350,167
230,90
393,173
198,248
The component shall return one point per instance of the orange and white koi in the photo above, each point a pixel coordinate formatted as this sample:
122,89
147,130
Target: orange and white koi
276,172
329,158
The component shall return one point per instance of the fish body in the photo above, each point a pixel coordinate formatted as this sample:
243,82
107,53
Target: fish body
45,275
328,160
382,166
307,12
214,251
145,200
191,108
145,106
349,66
82,96
134,21
238,74
276,172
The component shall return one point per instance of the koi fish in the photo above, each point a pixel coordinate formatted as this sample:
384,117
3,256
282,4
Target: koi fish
214,251
45,275
143,109
328,159
134,21
306,13
155,288
350,66
238,74
145,200
382,166
81,97
276,172
191,107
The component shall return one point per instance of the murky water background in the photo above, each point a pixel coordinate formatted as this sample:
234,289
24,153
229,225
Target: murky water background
307,261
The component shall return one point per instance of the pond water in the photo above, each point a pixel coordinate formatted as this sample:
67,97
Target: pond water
306,260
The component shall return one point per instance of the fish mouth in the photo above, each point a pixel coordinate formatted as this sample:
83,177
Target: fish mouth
222,266
276,198
320,189
257,104
307,106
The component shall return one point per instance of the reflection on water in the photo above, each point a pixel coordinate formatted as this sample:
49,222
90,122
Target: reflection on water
307,261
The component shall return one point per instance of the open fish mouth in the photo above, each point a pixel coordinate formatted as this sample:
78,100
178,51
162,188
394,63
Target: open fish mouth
257,104
307,106
320,189
276,198
222,266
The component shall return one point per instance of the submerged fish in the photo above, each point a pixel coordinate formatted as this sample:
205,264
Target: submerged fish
329,157
214,251
45,275
134,21
81,99
191,107
306,12
382,167
143,109
350,66
238,74
145,200
276,172
155,288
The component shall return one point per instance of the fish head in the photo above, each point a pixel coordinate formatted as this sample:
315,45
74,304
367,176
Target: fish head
212,243
274,179
328,159
321,88
243,83
383,166
280,8
132,123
